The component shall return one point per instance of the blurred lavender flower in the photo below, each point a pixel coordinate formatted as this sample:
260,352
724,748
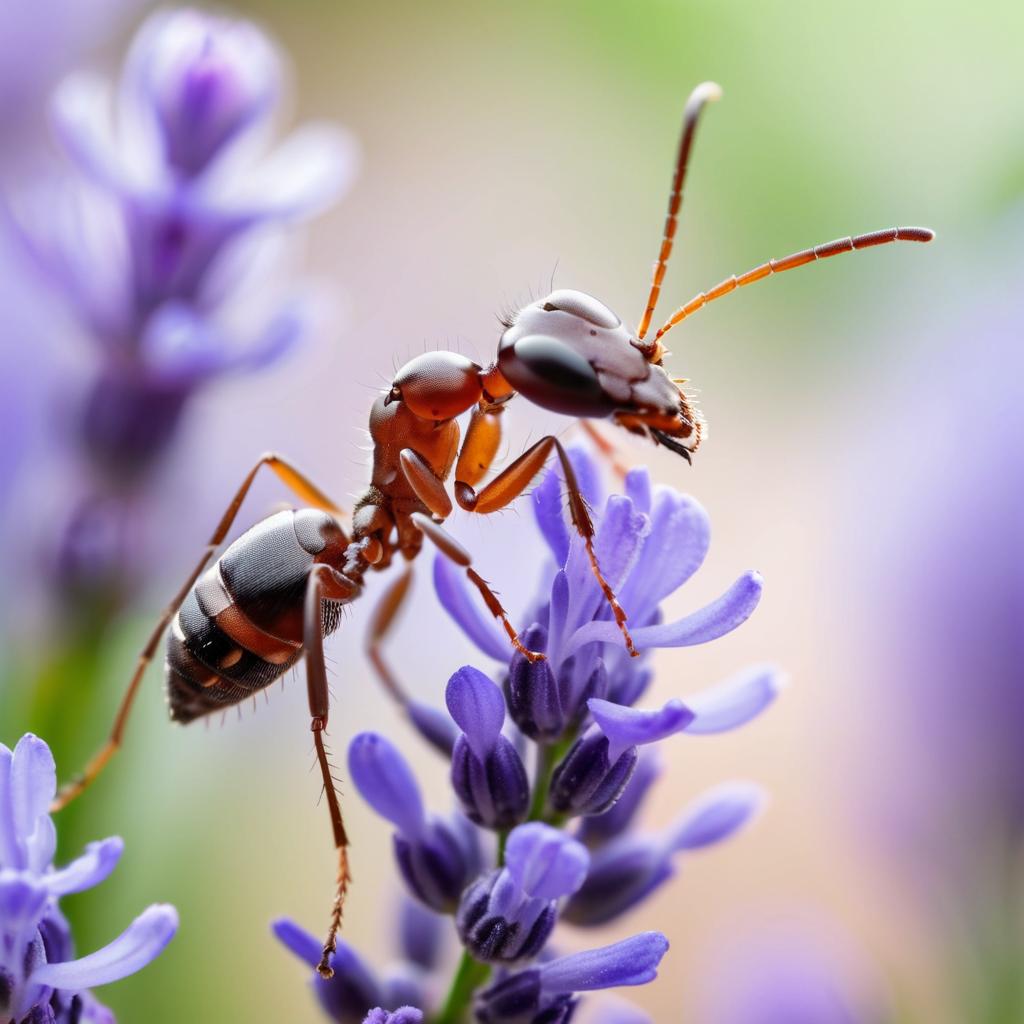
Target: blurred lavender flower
39,979
564,842
153,239
784,974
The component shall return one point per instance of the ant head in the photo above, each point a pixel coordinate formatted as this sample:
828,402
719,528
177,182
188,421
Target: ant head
570,353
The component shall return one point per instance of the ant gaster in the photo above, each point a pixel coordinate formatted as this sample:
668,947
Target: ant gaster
238,624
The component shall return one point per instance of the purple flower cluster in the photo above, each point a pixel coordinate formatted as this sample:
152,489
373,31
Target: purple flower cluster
563,832
40,981
161,232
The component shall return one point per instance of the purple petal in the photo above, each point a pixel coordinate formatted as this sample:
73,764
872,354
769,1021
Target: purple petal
307,948
716,816
81,118
386,782
22,901
88,870
141,943
549,511
478,708
33,783
736,701
311,169
638,488
633,961
10,850
545,862
675,549
465,609
403,1015
732,609
631,727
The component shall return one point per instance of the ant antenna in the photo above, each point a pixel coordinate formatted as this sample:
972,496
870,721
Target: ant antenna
706,92
797,259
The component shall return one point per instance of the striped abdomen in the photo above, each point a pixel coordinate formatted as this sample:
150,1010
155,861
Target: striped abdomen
240,627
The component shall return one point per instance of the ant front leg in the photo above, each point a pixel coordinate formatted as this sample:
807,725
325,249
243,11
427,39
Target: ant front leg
453,550
303,488
513,481
326,584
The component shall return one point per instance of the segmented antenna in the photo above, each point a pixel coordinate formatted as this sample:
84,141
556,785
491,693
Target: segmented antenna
797,259
704,93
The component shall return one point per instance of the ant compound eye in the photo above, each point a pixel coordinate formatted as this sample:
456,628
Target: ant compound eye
438,385
565,300
552,375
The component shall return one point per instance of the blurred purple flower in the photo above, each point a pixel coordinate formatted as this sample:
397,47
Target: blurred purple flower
784,975
39,979
158,237
950,682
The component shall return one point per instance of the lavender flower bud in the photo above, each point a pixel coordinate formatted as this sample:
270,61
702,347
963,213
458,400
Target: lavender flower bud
597,829
207,79
626,871
487,773
544,993
403,1015
436,858
509,914
597,768
545,704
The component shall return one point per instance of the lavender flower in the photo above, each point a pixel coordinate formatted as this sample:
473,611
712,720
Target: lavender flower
40,981
565,843
403,1015
509,914
156,235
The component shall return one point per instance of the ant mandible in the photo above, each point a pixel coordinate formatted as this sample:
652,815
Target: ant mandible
277,591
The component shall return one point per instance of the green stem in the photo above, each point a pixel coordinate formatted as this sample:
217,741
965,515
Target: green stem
502,843
468,978
542,781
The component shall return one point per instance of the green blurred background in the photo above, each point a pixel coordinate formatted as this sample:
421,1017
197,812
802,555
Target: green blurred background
504,144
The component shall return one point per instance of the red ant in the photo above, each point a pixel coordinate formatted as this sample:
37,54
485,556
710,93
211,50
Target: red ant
277,591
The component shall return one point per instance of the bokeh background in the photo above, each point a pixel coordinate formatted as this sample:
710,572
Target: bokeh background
864,455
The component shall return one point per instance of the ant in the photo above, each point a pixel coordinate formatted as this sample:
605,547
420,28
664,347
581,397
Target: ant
240,623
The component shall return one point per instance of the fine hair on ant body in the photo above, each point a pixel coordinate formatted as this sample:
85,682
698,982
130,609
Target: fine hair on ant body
240,621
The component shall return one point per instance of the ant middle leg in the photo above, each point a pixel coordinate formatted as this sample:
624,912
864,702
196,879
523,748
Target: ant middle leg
513,481
304,489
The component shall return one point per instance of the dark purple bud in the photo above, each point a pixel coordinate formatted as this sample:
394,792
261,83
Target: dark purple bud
599,765
587,781
403,1015
544,993
517,999
487,773
354,989
437,858
508,915
626,871
532,693
598,829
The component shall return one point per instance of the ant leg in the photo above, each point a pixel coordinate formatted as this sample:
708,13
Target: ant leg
609,450
381,621
453,550
513,481
303,488
326,584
